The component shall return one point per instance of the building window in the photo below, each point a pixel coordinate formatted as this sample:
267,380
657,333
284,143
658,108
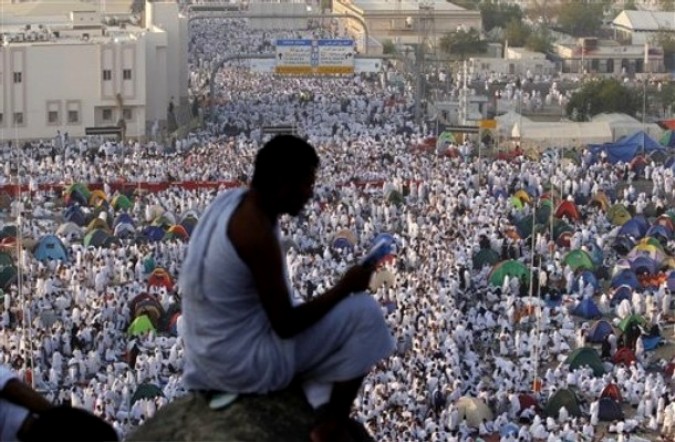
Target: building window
18,118
52,117
18,77
127,114
107,114
126,74
107,75
73,116
2,119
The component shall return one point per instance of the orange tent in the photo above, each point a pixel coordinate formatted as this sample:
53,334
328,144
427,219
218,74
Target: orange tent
612,391
161,278
568,209
624,356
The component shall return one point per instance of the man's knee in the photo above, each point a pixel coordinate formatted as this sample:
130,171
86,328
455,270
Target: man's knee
363,306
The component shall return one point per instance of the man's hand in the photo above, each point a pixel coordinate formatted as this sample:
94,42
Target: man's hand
356,279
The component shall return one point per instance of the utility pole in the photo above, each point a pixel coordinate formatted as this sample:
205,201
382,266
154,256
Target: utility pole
425,26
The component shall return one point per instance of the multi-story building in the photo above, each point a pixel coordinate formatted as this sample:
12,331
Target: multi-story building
608,57
406,21
82,69
640,27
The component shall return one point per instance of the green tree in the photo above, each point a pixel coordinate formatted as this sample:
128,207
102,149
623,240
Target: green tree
630,6
137,6
539,40
666,41
580,19
666,97
598,96
463,42
326,5
667,5
495,14
388,47
517,33
466,4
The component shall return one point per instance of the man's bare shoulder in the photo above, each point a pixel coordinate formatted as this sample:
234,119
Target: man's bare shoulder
248,227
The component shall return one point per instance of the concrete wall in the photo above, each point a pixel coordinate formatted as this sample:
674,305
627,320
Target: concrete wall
66,77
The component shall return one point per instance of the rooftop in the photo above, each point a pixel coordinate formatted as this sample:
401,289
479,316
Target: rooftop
645,21
62,7
404,5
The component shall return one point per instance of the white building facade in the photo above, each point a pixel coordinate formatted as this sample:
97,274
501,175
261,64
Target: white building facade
79,72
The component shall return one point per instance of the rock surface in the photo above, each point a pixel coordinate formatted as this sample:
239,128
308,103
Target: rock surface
280,417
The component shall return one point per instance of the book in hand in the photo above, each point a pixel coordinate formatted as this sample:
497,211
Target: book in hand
381,249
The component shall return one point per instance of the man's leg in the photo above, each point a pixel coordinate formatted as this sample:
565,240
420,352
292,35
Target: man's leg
333,423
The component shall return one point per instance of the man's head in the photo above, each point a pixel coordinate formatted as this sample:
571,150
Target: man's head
284,172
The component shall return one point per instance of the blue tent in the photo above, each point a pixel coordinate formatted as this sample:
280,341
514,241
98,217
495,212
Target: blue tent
635,227
587,309
342,243
671,281
588,277
49,247
625,277
75,215
650,342
609,410
644,264
123,218
596,253
599,331
154,233
623,292
625,149
657,230
623,245
500,193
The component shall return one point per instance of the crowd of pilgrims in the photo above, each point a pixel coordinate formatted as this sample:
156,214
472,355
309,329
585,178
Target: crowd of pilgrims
475,359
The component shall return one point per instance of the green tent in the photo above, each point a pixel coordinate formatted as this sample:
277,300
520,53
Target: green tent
486,257
560,227
9,232
7,276
141,325
516,202
579,259
628,320
586,356
510,268
618,215
96,238
563,398
544,211
80,187
395,197
146,391
121,202
5,260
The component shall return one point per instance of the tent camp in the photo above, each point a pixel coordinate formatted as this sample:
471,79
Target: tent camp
627,148
50,247
146,391
474,410
599,331
609,410
140,325
587,309
586,356
563,398
555,134
612,391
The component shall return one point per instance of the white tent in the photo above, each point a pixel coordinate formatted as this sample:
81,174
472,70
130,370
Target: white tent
561,134
623,125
